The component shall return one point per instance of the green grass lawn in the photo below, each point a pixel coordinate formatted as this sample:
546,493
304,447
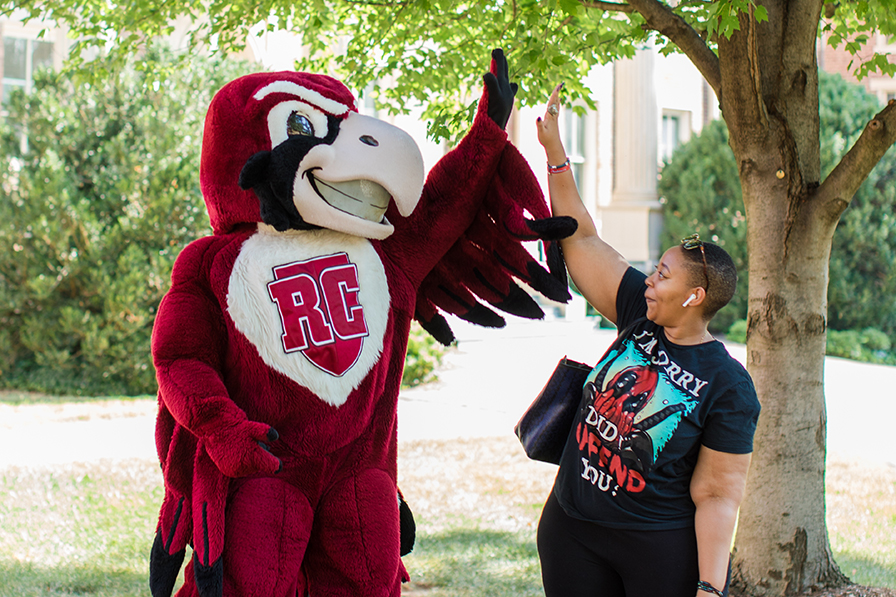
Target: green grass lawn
87,529
77,529
861,503
470,561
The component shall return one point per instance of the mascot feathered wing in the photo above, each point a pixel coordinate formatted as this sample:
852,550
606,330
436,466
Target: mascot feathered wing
280,345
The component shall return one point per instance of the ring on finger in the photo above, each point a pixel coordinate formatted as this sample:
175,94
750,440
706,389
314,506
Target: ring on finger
553,110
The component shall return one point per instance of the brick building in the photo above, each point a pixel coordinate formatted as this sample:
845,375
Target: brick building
838,60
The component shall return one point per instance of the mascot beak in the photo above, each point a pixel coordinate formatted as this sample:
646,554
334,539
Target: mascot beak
373,150
370,163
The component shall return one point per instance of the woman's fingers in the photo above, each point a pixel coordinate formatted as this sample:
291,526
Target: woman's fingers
547,126
553,108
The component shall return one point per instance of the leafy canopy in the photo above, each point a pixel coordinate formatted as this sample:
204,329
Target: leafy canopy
431,52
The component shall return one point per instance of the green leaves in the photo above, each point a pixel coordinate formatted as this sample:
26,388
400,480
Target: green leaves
570,7
851,25
429,53
95,209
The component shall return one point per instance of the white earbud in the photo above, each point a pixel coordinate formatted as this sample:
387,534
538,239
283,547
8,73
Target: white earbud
688,302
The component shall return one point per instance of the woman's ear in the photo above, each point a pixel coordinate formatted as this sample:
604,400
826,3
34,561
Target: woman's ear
696,297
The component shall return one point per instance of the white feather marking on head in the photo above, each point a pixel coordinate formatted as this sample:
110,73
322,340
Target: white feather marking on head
312,97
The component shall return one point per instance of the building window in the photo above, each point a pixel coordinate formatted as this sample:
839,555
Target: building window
574,142
670,136
21,58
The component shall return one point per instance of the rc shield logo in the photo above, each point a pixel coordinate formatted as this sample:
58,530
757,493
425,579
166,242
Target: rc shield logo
320,312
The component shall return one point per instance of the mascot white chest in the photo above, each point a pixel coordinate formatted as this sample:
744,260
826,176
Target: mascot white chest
314,303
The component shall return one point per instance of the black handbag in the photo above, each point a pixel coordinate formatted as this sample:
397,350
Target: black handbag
545,425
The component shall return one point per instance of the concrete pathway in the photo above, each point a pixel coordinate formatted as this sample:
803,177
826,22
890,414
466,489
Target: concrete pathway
486,384
493,375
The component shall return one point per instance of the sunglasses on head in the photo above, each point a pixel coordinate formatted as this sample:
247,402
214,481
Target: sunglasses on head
692,242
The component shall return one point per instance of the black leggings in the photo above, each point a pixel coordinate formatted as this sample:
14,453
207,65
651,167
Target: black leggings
583,559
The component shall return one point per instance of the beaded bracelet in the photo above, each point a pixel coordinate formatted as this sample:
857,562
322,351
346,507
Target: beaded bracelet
558,169
702,585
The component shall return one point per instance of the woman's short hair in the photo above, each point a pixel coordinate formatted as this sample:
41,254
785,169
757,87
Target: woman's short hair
721,272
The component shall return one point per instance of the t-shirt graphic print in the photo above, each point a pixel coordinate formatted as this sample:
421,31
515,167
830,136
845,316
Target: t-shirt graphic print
632,408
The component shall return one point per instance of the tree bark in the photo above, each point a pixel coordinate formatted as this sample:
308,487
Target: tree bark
770,103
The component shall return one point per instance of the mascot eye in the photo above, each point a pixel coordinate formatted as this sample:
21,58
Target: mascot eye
297,124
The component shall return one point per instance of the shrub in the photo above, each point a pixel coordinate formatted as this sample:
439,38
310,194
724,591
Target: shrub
423,358
737,332
869,345
94,207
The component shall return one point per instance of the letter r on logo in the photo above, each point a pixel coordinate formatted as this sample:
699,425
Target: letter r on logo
318,303
301,313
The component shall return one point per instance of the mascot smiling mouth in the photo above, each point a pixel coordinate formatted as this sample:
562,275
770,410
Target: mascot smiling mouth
364,199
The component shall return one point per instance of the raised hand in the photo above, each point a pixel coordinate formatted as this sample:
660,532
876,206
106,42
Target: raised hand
548,129
499,89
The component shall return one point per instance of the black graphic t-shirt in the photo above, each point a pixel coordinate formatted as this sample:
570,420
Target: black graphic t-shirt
646,409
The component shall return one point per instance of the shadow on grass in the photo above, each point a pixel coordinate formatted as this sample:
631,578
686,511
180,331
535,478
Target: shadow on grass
27,580
456,563
461,562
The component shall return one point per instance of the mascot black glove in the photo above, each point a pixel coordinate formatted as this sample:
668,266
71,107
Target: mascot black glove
500,90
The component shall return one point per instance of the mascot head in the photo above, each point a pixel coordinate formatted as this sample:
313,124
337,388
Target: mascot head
290,150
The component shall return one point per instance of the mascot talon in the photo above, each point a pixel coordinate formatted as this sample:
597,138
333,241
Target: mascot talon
280,346
555,228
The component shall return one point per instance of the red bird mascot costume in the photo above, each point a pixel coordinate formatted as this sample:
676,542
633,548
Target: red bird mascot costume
280,345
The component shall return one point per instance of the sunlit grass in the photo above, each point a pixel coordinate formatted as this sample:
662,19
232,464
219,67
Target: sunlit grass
861,505
86,529
471,561
78,529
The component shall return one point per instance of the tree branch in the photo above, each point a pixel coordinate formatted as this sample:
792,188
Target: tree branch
838,189
371,3
610,6
662,19
753,59
801,30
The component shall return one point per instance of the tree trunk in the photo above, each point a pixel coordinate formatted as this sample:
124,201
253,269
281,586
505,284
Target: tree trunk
766,78
782,543
769,98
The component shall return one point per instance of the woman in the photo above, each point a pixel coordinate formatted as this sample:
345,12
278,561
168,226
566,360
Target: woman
653,473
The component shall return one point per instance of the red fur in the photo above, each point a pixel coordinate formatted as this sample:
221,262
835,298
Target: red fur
327,522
